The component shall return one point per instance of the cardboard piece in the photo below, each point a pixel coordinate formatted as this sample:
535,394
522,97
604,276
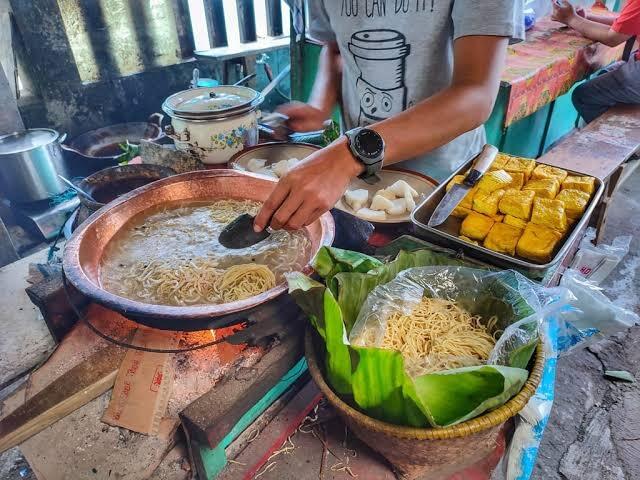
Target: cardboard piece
143,385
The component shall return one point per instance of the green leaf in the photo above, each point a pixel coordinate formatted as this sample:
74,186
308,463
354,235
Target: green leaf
455,396
330,260
620,375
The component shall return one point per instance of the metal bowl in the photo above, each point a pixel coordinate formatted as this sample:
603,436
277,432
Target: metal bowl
108,184
272,152
84,251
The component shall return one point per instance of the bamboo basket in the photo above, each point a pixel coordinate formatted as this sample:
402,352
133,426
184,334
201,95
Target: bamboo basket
432,453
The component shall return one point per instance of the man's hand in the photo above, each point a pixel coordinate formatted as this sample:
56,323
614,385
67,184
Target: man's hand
563,11
310,189
303,117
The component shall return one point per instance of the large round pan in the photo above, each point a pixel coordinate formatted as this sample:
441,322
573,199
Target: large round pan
83,252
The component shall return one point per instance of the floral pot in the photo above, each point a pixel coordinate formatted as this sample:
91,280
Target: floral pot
214,123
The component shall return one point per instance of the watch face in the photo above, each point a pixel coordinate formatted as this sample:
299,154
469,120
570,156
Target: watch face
369,144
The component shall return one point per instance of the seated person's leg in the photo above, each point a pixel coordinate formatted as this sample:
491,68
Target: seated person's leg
620,85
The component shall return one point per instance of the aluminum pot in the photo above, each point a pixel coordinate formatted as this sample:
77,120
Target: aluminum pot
30,163
214,123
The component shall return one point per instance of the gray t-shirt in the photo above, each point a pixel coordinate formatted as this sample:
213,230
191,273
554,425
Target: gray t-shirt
397,53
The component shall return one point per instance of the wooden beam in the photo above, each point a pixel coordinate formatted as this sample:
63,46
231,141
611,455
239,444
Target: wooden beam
75,388
214,16
7,57
10,119
212,416
274,18
246,21
184,29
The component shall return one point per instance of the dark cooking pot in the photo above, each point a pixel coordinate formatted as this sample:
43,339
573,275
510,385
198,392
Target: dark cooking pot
98,149
108,184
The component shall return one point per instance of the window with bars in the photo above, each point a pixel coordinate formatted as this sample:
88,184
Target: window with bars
119,37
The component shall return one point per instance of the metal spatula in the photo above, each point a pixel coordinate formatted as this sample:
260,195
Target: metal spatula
240,234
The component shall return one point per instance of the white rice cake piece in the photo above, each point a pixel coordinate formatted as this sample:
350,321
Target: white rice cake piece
399,207
410,202
381,203
401,188
267,171
386,193
356,199
256,164
280,168
371,215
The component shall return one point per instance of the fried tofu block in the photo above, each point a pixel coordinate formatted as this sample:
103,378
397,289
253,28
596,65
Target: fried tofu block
503,238
487,203
455,180
495,180
543,187
538,243
476,226
521,165
517,181
468,240
549,213
514,221
517,203
574,182
497,217
461,212
575,202
500,161
547,171
467,201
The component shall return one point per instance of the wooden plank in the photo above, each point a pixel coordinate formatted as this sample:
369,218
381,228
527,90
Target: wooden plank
256,48
214,16
7,57
274,18
246,21
602,146
251,460
67,393
212,416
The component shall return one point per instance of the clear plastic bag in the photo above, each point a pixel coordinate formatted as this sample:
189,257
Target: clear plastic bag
514,300
596,262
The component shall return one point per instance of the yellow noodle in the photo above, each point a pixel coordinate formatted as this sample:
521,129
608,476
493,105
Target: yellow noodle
438,335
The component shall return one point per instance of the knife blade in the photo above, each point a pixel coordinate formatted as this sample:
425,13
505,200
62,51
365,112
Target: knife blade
454,196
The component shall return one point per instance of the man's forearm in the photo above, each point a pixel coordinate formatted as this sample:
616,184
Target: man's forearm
597,31
324,95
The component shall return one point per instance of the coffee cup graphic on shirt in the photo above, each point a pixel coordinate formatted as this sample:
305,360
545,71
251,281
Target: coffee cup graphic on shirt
381,58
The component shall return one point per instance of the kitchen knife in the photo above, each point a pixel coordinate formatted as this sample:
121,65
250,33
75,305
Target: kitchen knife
454,196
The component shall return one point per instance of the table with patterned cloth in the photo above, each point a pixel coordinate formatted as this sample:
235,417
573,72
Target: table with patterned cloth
547,64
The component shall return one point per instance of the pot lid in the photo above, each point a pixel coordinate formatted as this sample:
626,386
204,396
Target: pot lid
211,101
27,140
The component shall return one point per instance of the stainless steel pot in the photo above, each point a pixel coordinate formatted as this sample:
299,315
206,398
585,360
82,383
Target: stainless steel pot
30,163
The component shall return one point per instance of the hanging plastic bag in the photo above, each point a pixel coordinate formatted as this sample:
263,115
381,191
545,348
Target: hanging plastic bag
596,262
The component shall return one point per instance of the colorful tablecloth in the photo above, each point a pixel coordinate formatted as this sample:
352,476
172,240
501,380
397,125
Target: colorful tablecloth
547,64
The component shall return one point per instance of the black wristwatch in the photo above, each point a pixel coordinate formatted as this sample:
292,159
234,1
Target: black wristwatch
367,146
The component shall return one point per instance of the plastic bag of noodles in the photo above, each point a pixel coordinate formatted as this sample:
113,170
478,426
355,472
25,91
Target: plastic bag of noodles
372,377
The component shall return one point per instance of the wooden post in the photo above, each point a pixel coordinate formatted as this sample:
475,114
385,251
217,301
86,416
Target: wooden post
274,18
183,26
247,21
214,15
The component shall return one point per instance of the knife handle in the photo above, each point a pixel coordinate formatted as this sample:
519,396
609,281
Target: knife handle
481,164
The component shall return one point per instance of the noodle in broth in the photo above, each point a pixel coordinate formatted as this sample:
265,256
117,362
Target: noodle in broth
171,256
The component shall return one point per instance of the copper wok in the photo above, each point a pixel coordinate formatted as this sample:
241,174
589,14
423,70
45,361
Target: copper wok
83,252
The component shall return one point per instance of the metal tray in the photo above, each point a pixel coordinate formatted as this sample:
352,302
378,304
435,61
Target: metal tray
447,233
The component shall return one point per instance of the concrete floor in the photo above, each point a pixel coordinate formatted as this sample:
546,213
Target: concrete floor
594,430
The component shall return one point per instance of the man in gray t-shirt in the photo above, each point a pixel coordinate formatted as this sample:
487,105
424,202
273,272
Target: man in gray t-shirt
423,74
